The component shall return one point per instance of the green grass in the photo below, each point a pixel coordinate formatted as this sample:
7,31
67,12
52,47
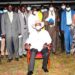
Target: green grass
60,65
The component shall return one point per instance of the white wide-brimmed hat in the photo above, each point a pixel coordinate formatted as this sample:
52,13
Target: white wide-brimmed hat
38,26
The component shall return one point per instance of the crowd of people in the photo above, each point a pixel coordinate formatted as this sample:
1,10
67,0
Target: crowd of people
36,28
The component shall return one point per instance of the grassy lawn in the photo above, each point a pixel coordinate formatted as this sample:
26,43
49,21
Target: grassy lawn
60,65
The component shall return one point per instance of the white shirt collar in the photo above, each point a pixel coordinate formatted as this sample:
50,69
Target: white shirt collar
10,14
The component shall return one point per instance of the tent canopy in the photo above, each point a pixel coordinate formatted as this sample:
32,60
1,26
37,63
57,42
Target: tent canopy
35,1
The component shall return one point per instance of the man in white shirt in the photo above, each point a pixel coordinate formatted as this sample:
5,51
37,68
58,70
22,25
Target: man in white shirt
32,19
39,41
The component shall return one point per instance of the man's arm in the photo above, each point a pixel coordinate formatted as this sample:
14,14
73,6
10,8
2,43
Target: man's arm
19,24
30,23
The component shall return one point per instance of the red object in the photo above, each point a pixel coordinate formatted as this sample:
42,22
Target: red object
39,56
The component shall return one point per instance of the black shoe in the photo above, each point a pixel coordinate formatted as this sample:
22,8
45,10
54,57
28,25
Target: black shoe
2,56
30,73
6,56
68,53
21,56
45,70
24,55
17,59
9,60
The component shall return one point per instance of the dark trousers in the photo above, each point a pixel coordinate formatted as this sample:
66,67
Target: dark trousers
53,35
62,41
12,45
32,59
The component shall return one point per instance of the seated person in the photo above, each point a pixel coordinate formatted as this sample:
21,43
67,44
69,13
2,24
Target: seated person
38,41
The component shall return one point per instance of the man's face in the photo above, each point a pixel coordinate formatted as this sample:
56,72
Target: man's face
23,9
68,8
9,8
34,12
51,8
38,27
63,6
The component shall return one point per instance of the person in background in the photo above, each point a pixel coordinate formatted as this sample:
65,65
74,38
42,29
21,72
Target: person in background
5,9
66,22
29,10
0,34
72,29
18,9
11,29
15,9
2,40
61,35
52,27
32,19
24,30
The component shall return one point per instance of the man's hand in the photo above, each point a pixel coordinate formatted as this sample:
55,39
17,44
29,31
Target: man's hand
3,35
45,45
27,46
50,23
46,23
20,36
